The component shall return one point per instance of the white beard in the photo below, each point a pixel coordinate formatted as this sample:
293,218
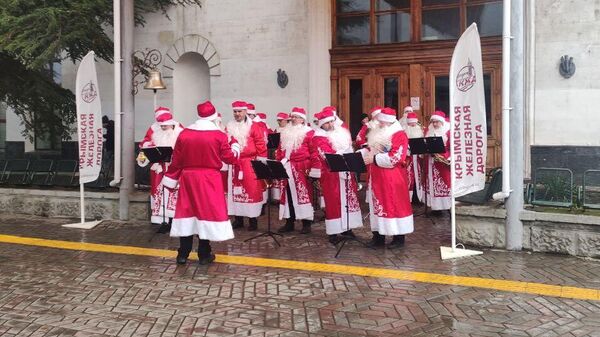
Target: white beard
168,137
383,135
340,139
292,137
240,131
279,129
441,132
414,131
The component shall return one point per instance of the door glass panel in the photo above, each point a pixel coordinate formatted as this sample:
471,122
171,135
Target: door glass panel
390,92
350,6
442,94
442,97
487,89
394,27
488,18
440,24
385,5
353,30
356,104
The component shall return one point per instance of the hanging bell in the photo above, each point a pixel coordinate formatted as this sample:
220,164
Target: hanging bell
155,81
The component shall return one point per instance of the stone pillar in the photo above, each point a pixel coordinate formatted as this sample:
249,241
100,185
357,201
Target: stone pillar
319,43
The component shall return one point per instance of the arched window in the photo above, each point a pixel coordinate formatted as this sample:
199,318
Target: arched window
191,85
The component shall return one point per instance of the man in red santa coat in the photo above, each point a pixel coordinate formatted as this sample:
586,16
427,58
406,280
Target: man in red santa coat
403,120
414,130
296,192
339,189
199,154
389,204
338,121
250,111
245,193
438,165
163,132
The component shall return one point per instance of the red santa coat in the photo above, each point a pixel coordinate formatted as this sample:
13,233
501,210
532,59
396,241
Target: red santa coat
245,193
389,204
339,189
199,154
437,184
361,137
297,162
415,166
162,201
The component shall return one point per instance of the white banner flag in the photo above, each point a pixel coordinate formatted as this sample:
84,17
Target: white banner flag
467,114
89,123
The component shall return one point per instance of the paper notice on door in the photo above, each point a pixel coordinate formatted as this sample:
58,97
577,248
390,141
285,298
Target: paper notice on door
415,102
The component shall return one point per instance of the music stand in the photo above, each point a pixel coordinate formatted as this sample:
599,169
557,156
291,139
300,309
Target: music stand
428,146
156,155
271,169
346,163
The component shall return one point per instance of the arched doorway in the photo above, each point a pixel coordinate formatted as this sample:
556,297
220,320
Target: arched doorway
191,85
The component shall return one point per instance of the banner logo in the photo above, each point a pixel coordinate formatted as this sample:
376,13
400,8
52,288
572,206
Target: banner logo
466,78
89,92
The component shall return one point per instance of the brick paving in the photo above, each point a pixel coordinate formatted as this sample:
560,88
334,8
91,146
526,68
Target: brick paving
53,292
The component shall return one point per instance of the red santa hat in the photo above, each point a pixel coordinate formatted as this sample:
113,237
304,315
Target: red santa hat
207,111
412,118
387,115
262,116
375,111
331,108
251,109
408,108
299,112
282,116
324,117
163,116
439,116
239,105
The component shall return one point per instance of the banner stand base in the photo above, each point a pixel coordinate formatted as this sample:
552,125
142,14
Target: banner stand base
447,253
83,225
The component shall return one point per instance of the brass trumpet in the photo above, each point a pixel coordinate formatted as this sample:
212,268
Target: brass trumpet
439,158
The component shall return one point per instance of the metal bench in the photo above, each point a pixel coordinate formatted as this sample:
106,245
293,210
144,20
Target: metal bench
17,172
64,173
41,172
481,197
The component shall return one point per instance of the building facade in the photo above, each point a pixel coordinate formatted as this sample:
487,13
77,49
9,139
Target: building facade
356,54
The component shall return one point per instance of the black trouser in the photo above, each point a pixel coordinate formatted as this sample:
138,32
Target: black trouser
288,191
186,243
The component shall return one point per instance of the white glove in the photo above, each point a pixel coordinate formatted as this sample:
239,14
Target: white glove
240,175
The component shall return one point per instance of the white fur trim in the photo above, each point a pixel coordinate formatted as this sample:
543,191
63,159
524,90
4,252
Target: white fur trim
326,120
412,120
250,112
224,167
304,211
169,122
383,160
206,230
203,125
337,226
169,182
375,113
391,226
284,161
251,210
386,118
301,115
315,173
437,118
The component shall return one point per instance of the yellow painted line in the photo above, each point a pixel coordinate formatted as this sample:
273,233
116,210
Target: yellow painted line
403,275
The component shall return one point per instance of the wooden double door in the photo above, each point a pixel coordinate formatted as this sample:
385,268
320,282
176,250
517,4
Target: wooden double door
425,87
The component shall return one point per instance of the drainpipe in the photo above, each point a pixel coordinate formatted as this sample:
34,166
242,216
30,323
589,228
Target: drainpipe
117,93
505,102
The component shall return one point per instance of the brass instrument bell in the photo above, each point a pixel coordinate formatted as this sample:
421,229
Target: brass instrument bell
155,81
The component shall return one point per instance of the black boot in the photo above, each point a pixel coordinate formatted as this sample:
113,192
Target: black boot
238,222
349,233
165,227
288,227
333,239
305,227
397,242
205,255
253,224
378,240
185,247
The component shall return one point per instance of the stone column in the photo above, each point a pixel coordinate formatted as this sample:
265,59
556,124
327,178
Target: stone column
319,43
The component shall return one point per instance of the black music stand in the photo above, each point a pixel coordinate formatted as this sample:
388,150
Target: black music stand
428,146
346,163
156,155
271,169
